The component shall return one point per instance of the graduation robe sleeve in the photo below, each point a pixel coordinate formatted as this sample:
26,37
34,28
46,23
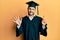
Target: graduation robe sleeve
20,30
43,31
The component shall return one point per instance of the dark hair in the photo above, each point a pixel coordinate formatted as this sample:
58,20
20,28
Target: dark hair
31,6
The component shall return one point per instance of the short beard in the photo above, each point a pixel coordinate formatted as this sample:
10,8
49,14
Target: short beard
30,14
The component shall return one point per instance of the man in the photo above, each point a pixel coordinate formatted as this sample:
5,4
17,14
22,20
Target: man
32,26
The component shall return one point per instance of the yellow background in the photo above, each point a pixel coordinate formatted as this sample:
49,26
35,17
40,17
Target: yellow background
10,8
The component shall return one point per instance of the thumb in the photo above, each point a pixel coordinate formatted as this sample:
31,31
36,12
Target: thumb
21,18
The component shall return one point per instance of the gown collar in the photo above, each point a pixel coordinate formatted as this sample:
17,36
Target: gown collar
30,17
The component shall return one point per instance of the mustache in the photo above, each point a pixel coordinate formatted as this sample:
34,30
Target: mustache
30,14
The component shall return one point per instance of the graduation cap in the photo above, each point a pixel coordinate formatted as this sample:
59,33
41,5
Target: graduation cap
33,4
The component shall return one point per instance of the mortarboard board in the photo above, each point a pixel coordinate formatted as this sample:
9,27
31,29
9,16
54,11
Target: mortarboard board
33,4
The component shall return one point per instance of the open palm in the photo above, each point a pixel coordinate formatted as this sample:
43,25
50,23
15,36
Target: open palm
17,20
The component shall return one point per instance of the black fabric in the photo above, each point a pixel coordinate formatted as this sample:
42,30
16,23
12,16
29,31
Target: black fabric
31,28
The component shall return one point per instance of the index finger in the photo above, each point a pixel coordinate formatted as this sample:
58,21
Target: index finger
43,18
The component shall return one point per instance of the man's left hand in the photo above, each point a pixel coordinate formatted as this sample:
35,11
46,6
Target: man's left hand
44,22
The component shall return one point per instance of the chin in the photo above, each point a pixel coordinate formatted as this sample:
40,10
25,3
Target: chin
30,14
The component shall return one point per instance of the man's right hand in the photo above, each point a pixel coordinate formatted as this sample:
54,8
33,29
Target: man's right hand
17,20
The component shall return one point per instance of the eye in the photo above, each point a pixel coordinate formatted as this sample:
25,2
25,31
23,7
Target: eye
32,9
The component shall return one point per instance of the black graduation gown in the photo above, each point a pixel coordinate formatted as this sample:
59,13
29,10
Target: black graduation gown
31,28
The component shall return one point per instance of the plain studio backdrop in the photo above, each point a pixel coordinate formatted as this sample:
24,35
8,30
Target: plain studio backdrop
10,8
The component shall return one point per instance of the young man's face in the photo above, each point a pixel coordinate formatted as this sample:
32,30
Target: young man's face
31,11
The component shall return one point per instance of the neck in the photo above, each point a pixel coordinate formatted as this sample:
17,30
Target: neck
31,15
